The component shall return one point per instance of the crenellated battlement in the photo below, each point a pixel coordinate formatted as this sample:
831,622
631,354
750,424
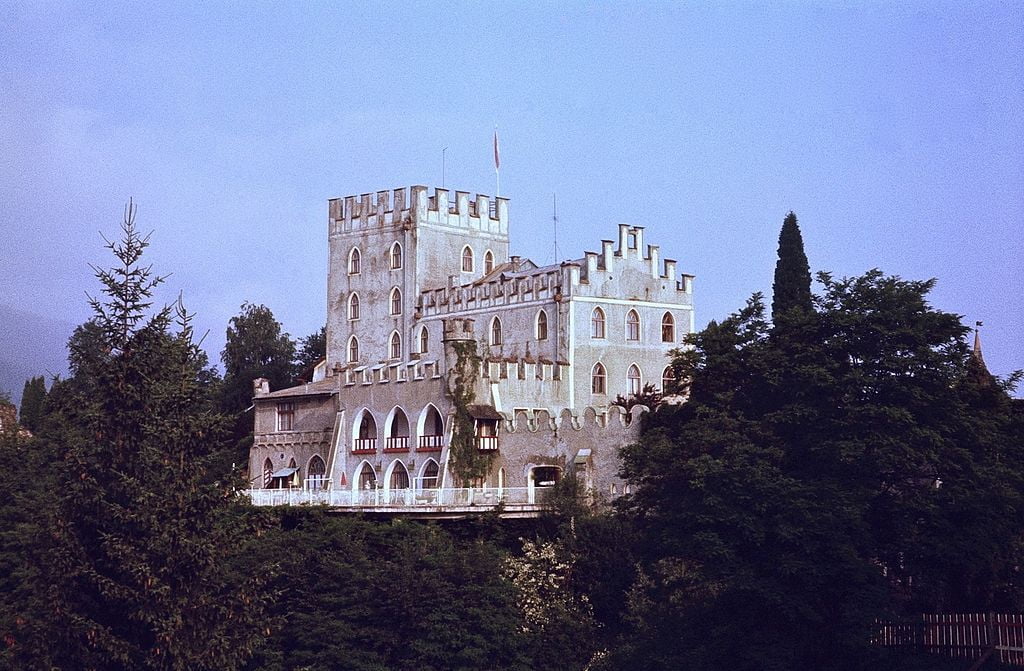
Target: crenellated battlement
415,205
545,284
612,418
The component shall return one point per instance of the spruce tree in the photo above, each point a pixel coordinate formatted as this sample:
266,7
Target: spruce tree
141,537
791,290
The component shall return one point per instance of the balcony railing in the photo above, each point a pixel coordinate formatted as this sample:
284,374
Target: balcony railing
431,443
410,499
364,445
396,444
487,443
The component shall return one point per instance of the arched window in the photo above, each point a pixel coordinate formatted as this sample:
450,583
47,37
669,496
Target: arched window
632,325
597,323
633,380
365,477
365,432
668,328
467,259
488,262
431,429
397,429
495,331
396,301
424,340
395,348
542,325
353,349
501,478
353,261
668,380
399,476
598,379
396,256
353,307
268,472
316,473
431,471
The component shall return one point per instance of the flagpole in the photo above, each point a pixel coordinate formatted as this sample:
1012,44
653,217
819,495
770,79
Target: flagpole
497,166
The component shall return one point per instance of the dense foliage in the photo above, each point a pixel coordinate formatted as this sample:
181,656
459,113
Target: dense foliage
848,460
33,402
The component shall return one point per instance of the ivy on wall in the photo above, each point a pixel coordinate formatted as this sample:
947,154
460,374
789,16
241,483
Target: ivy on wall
467,463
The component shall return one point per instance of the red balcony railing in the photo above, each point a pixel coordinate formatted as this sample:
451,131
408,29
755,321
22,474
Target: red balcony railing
364,445
431,443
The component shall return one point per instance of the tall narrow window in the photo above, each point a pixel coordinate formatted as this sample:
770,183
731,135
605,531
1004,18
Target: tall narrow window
542,325
285,416
268,472
495,331
396,301
353,307
424,340
598,379
633,380
632,325
396,256
467,259
488,262
668,380
597,323
353,261
668,328
396,345
353,349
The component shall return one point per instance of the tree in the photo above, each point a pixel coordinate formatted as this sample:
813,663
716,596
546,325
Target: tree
33,399
791,290
140,536
821,475
311,351
256,347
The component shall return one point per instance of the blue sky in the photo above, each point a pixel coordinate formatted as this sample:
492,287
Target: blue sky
896,133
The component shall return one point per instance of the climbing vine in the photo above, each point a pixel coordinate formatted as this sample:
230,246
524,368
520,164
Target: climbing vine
466,461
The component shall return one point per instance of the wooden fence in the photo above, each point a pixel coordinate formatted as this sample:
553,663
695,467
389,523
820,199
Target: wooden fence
967,635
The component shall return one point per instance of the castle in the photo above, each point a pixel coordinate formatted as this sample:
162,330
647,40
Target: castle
417,280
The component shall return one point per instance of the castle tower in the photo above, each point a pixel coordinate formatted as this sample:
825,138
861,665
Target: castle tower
385,248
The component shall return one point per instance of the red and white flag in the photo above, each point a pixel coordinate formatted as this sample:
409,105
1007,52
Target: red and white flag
497,159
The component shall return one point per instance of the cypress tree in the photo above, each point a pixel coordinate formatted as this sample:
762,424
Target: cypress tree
33,398
791,290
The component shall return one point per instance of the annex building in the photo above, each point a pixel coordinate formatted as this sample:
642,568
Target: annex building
416,279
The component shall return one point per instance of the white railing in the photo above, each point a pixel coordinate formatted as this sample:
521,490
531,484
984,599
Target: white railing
483,497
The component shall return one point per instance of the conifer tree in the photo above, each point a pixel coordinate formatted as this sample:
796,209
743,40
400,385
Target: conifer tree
141,538
33,398
791,290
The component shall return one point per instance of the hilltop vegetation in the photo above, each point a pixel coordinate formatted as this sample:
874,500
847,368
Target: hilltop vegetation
848,460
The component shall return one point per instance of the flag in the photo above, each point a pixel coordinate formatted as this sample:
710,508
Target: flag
497,159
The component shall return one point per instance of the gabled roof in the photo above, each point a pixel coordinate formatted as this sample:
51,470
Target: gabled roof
328,387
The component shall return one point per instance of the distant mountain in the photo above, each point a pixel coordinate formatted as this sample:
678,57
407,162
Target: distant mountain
31,345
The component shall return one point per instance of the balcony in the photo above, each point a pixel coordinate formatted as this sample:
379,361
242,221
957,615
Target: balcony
396,444
430,444
487,443
418,502
364,445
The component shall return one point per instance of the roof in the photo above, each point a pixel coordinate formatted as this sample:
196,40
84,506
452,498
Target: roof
484,412
284,472
327,387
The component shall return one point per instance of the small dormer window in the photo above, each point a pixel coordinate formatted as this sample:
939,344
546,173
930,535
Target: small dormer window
467,259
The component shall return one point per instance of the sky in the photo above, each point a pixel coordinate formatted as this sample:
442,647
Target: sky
895,132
